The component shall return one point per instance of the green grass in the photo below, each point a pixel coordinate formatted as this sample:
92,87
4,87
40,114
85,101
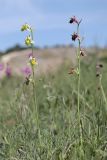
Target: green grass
58,122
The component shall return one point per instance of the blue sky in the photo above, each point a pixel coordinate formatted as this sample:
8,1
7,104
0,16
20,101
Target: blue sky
49,19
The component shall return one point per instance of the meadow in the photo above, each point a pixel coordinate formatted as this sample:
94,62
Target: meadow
60,114
56,137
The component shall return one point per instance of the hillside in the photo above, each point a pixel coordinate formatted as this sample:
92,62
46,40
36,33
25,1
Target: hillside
48,59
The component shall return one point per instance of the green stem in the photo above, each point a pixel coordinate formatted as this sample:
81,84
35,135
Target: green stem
35,101
34,88
32,46
78,96
103,93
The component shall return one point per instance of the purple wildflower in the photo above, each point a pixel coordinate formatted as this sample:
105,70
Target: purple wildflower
26,71
8,71
1,67
30,55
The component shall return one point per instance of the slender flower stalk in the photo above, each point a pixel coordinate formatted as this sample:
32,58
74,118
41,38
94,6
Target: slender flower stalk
33,63
103,93
99,75
29,41
75,37
79,78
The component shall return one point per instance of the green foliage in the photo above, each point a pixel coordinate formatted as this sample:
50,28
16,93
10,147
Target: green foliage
17,47
57,102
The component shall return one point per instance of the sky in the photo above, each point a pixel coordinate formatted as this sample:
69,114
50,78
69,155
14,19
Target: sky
49,19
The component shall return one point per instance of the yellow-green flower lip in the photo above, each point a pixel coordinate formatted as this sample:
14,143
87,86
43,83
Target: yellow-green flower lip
29,41
33,61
